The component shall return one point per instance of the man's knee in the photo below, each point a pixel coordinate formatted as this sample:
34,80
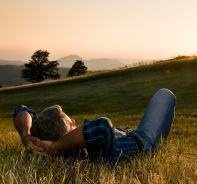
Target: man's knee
165,91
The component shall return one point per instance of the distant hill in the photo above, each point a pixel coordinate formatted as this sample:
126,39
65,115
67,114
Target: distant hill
10,71
10,75
68,61
93,64
102,64
8,62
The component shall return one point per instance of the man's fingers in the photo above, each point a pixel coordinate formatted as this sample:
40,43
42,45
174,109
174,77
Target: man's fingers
43,144
38,144
33,148
38,149
32,139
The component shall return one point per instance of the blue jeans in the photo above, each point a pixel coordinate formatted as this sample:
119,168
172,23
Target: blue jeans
101,140
157,120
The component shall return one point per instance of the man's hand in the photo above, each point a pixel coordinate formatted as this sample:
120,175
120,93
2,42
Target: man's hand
44,145
30,143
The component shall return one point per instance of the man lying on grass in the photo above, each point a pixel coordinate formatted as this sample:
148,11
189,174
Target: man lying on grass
101,140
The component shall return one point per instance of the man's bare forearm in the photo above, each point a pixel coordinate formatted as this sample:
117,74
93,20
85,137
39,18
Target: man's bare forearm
67,143
23,123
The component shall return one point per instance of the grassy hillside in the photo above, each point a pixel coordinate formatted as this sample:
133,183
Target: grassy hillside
123,91
122,96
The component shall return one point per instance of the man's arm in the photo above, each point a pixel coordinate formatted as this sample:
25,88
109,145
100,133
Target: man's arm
66,144
23,123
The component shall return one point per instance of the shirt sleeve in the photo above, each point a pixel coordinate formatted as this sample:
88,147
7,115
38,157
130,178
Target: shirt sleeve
26,109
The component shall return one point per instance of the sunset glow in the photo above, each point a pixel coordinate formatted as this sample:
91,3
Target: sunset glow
98,29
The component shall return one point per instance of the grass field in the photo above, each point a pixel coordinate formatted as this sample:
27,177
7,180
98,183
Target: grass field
121,95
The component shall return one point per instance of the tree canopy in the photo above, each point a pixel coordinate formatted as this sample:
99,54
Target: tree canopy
40,68
77,69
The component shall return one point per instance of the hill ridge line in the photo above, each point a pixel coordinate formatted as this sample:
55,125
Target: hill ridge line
103,73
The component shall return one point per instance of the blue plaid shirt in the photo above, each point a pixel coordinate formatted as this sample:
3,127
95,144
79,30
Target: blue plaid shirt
113,145
24,108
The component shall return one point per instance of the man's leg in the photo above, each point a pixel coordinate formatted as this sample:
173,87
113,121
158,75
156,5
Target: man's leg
157,120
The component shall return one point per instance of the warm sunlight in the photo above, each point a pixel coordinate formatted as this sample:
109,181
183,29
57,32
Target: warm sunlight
99,29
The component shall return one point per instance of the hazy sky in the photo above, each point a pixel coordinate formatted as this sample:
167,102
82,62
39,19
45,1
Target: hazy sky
151,29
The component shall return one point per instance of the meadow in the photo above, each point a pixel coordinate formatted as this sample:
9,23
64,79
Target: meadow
122,95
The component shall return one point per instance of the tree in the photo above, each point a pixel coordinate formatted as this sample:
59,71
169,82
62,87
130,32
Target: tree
77,69
40,68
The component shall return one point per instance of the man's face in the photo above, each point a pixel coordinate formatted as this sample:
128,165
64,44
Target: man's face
70,123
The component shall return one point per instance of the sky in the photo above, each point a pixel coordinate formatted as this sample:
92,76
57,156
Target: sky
153,29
